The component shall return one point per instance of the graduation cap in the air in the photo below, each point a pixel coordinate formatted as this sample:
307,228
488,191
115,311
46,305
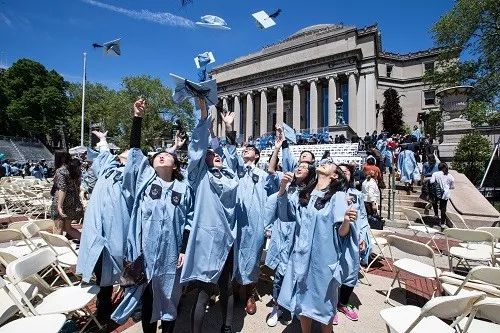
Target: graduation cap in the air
110,48
185,89
212,21
289,133
203,59
265,20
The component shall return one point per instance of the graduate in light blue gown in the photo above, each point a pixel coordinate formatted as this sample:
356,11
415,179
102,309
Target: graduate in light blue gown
313,274
407,165
358,248
105,226
209,254
282,233
162,211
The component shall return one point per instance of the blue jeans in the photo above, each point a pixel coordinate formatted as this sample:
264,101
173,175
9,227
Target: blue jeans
278,280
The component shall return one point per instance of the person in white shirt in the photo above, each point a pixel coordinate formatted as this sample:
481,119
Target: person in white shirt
443,184
370,190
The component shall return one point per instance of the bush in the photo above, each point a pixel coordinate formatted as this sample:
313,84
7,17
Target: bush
471,156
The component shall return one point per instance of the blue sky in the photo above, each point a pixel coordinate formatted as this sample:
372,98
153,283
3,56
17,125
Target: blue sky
57,32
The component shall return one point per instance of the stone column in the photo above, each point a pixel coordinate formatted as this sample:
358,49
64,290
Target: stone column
279,104
370,102
225,108
237,114
313,102
353,121
249,116
263,111
296,105
332,97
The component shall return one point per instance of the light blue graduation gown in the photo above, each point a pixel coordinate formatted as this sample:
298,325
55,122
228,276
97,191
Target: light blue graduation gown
252,217
359,230
106,221
313,273
407,165
213,229
161,213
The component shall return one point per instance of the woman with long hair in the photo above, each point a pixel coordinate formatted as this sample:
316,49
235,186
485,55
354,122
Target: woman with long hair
282,233
66,203
443,184
358,248
162,212
313,273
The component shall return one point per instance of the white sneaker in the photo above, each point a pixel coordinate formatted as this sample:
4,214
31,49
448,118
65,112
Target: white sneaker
272,319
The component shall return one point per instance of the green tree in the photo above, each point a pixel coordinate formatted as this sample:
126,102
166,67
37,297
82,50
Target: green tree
34,99
471,156
392,112
433,124
470,29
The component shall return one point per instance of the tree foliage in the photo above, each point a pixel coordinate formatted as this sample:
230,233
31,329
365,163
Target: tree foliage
471,156
470,29
32,99
392,112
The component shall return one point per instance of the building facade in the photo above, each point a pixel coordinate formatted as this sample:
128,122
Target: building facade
299,80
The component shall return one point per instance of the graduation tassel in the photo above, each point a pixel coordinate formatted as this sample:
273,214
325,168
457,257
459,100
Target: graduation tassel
275,14
95,45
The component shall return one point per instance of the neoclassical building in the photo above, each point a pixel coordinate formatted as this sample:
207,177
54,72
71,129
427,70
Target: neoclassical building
299,79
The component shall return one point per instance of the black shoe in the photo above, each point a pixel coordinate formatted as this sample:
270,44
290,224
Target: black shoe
226,329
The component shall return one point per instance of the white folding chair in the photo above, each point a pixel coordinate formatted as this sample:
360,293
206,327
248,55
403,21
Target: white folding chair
11,301
413,266
481,278
409,318
457,220
65,250
495,231
489,309
16,225
72,299
469,250
379,240
413,215
40,324
45,224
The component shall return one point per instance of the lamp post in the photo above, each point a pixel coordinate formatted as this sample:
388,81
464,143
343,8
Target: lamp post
339,111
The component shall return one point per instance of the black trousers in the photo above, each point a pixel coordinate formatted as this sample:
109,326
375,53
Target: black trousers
147,311
442,206
226,297
344,294
104,303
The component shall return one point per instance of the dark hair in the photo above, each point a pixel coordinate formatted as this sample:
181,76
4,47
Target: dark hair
371,161
326,154
75,169
431,158
350,181
176,173
309,152
443,167
335,186
61,157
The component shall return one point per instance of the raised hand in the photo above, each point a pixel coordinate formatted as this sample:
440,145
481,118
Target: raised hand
100,135
228,119
139,107
179,140
285,181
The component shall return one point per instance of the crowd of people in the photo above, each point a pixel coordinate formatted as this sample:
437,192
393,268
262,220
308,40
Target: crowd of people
39,170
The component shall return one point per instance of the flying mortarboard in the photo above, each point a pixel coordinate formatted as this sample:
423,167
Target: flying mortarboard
212,21
110,48
289,134
264,20
203,59
185,89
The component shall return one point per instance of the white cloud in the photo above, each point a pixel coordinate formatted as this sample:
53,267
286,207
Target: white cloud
160,18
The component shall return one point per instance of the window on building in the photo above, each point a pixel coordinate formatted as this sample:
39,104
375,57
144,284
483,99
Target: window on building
429,97
389,70
429,67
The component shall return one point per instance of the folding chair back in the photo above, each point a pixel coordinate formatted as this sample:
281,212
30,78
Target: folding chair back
467,235
29,265
16,225
6,258
489,309
457,220
56,240
45,225
495,231
412,215
451,307
30,230
6,235
411,247
486,274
